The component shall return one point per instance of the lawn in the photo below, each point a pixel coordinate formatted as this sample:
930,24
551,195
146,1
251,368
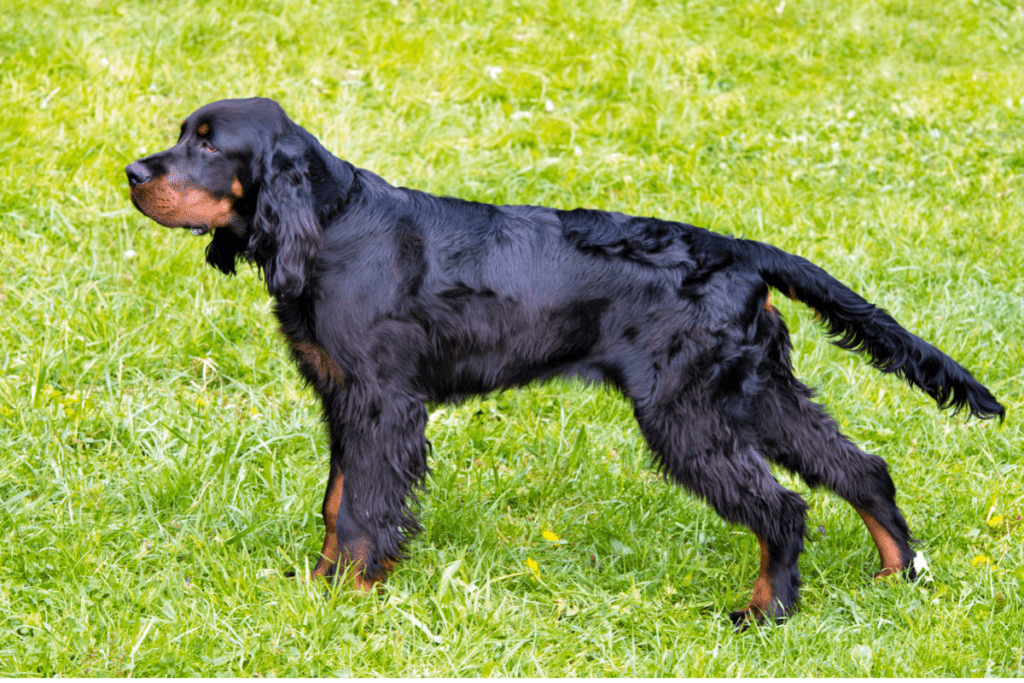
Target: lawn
162,465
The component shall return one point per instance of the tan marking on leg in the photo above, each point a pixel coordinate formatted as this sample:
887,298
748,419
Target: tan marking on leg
356,559
768,304
761,599
314,357
329,552
888,551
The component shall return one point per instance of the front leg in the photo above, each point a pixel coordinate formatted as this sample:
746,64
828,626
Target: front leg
385,461
328,558
326,376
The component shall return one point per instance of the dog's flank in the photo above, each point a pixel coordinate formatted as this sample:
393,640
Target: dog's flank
390,298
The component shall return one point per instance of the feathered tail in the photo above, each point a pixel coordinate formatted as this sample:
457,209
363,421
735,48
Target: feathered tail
860,326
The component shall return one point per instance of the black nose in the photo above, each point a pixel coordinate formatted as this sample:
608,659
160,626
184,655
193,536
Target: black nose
137,174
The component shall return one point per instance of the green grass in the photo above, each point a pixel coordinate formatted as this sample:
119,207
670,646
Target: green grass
161,465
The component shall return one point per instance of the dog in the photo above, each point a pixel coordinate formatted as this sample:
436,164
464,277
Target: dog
391,298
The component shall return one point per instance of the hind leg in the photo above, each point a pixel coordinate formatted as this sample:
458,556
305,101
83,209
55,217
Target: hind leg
798,434
702,453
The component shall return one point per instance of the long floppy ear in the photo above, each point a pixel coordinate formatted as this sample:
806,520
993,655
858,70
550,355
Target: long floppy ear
286,236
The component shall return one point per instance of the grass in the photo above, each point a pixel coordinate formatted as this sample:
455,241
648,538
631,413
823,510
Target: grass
161,465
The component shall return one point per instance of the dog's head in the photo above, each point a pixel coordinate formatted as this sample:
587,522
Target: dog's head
240,170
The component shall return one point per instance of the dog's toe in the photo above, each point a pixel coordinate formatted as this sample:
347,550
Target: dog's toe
742,619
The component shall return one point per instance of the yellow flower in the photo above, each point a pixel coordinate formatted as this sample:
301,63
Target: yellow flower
995,521
550,536
980,559
534,567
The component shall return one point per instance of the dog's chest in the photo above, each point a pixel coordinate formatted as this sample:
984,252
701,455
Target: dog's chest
314,362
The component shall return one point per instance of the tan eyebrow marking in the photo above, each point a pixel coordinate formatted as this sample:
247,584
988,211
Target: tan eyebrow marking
203,129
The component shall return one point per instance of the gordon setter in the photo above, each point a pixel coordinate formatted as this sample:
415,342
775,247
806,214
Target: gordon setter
391,298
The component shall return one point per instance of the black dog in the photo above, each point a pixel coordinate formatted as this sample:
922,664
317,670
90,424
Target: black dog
391,298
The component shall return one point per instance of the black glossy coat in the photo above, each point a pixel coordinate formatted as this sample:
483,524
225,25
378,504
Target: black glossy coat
392,298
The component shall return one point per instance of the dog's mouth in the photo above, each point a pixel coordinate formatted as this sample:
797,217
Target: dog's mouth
182,206
196,229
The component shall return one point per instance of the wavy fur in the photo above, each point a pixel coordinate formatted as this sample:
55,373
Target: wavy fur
857,325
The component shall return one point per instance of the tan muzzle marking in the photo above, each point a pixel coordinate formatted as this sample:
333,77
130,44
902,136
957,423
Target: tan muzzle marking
177,205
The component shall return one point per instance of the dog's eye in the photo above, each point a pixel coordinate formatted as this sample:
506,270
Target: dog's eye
208,147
